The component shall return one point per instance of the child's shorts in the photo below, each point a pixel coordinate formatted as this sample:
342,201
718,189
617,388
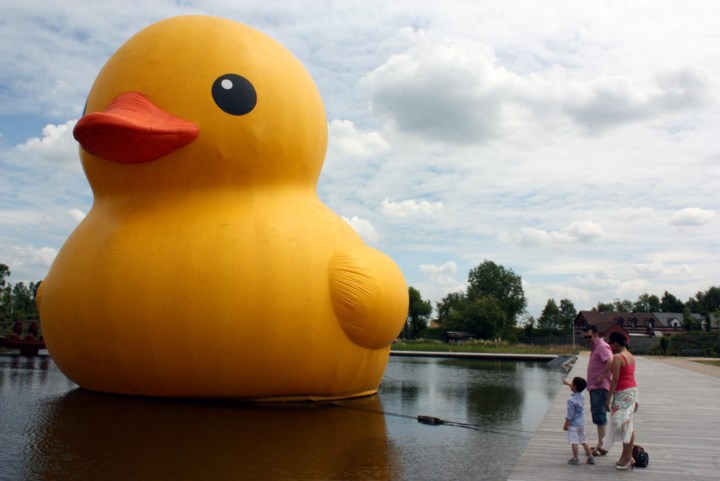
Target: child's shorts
576,435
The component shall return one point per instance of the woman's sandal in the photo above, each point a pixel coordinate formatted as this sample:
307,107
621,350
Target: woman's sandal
599,451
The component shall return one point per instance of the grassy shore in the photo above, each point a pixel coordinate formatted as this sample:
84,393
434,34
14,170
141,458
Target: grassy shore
481,346
710,363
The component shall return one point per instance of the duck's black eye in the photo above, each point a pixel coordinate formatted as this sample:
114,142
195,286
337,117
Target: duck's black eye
234,94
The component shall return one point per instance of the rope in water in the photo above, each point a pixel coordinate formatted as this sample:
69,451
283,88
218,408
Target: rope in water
432,420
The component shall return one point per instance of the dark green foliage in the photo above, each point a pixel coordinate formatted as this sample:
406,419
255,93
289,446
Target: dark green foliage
419,311
647,303
605,307
17,301
549,320
434,333
489,308
490,279
556,320
623,306
700,343
670,303
450,303
4,272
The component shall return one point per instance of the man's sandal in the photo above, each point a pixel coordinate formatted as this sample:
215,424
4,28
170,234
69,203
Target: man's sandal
599,451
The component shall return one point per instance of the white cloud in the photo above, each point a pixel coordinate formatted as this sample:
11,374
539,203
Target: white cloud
442,280
599,280
77,214
443,275
692,216
682,88
442,88
410,207
612,101
455,90
471,133
28,263
576,232
349,141
56,146
363,227
660,270
584,231
637,213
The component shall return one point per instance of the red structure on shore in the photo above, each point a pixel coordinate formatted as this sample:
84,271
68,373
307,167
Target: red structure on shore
30,344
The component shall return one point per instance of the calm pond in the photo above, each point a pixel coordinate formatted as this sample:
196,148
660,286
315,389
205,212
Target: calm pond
51,430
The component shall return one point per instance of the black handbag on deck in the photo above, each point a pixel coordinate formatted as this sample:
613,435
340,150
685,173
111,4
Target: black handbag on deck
640,456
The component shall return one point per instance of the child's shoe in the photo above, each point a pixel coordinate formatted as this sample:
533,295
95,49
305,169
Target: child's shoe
591,460
574,461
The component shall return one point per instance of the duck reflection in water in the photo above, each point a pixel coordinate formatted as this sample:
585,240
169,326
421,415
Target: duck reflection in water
88,436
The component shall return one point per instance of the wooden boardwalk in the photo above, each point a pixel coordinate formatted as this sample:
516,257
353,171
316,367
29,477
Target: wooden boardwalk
678,423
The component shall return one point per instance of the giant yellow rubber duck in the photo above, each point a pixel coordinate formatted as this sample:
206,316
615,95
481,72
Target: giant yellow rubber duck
207,265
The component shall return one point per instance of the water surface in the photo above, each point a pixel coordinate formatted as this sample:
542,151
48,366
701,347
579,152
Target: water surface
51,430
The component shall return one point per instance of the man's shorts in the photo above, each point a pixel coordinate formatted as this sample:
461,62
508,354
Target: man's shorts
576,435
597,406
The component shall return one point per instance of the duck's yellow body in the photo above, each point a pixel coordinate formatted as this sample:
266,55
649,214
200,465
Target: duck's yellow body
207,266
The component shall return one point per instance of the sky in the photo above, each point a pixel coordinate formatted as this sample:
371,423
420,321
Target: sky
574,142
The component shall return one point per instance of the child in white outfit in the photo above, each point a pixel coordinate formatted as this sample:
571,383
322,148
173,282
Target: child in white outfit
575,421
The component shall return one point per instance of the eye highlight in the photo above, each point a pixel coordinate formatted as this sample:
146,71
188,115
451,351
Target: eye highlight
234,94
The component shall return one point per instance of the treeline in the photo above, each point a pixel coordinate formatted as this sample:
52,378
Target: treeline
490,308
706,303
557,319
494,300
17,301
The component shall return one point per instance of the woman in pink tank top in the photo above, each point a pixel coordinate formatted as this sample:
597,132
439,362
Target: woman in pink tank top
622,400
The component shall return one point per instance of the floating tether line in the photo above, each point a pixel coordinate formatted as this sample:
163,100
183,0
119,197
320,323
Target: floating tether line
432,420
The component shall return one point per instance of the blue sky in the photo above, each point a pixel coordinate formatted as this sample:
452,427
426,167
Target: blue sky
574,142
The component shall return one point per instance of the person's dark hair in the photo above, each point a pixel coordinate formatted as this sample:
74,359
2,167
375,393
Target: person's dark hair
580,384
590,327
618,338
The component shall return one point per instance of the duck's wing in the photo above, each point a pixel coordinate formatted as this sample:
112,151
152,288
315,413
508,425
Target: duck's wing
369,296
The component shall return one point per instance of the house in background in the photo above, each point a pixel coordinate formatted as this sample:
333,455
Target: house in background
640,328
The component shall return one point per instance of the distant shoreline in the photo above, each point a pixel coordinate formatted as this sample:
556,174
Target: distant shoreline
504,356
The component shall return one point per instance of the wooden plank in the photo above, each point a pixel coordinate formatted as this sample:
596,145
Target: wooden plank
678,423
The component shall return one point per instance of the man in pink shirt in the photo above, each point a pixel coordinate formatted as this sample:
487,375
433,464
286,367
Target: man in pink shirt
598,381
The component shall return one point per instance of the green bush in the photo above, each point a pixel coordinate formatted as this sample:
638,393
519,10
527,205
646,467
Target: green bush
434,333
707,343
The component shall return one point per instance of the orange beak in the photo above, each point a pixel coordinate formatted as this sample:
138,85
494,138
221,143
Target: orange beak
132,130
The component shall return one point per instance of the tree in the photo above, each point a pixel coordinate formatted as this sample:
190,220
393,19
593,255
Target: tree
485,318
706,303
605,307
419,311
481,316
623,306
710,299
449,306
6,303
647,303
35,287
529,325
694,304
549,319
490,279
4,272
568,313
688,322
670,303
22,300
